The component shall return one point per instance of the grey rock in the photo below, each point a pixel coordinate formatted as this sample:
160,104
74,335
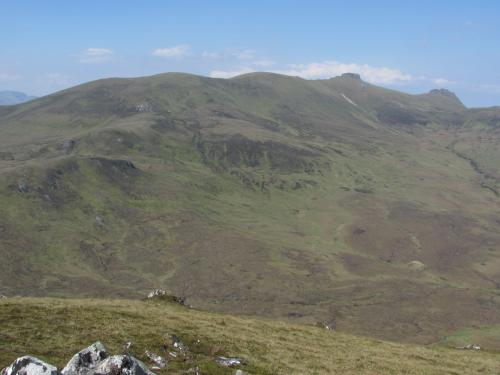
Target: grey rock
121,365
86,360
158,360
471,347
28,365
23,187
178,344
229,361
157,293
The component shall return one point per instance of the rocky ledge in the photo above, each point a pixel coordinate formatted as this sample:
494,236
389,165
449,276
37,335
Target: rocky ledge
95,360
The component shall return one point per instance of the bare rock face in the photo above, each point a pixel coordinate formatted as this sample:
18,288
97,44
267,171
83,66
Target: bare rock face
121,365
86,360
352,75
28,365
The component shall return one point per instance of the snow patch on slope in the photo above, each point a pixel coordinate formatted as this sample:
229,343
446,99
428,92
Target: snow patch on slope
348,100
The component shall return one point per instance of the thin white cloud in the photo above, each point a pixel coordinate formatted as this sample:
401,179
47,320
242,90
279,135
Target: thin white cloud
211,55
263,62
442,81
55,80
6,77
96,55
98,52
327,69
175,51
373,74
230,73
238,54
488,88
246,54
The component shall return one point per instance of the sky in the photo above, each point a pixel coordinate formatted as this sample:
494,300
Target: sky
412,46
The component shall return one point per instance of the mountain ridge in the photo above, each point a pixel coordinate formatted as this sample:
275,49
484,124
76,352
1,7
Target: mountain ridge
329,200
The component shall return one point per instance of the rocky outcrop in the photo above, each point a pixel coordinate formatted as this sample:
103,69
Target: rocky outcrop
28,365
93,360
96,360
86,360
157,293
161,294
352,76
121,365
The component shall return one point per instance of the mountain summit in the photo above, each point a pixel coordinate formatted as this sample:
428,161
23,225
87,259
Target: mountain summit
352,75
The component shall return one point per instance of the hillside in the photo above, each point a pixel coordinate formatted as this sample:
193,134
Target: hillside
332,200
267,347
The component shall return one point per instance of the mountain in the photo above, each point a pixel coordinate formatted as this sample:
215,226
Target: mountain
334,200
14,97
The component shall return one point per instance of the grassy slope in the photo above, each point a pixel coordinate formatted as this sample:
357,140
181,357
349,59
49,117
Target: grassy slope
270,347
262,194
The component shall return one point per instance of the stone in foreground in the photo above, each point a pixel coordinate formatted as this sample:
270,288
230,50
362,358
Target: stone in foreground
28,365
86,360
121,365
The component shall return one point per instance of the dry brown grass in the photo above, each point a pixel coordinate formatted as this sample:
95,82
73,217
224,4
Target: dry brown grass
54,329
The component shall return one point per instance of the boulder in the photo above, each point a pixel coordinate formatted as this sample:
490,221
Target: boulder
28,365
86,360
121,365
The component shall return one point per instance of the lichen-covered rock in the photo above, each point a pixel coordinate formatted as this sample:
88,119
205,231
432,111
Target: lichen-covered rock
86,360
28,365
121,365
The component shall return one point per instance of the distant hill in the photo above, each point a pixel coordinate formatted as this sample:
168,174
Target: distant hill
14,97
332,200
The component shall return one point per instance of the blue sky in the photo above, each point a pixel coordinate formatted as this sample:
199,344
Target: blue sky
410,46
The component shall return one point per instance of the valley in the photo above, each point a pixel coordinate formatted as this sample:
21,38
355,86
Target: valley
331,201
